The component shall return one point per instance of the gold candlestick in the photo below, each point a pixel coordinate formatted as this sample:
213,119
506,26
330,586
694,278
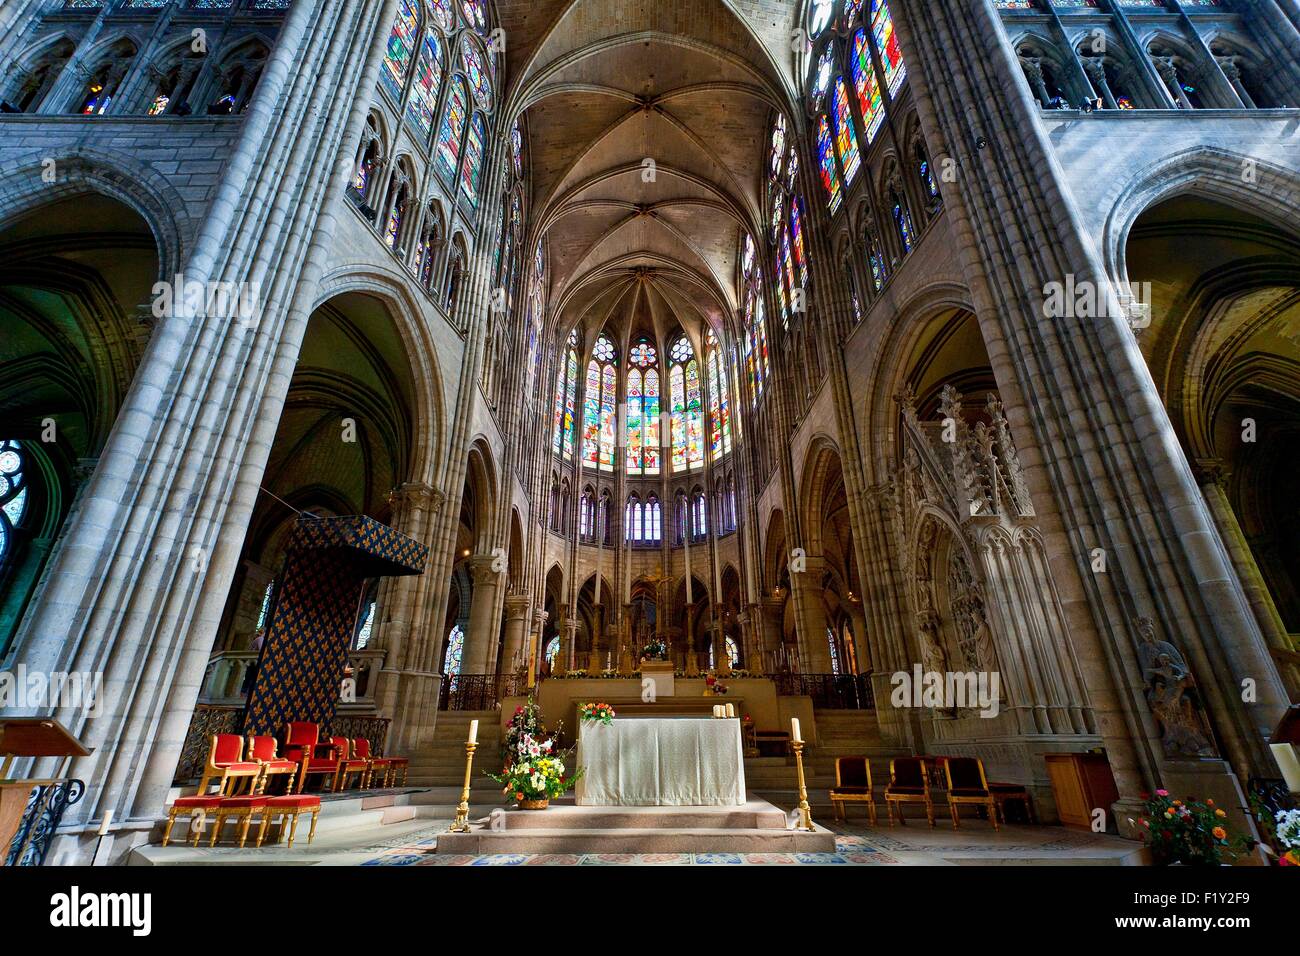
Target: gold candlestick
461,824
805,812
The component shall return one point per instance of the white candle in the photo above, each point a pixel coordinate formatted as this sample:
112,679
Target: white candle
473,732
717,710
794,726
731,710
106,823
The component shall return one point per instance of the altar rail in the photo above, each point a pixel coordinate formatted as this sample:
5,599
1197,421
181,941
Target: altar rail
41,819
210,719
479,691
829,691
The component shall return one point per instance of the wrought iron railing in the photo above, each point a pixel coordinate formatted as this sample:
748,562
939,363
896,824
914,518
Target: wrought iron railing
41,819
357,726
479,691
829,691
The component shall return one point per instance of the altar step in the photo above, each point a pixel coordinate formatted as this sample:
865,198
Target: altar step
757,827
442,762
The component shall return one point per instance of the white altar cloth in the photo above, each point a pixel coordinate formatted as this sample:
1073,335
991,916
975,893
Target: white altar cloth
661,762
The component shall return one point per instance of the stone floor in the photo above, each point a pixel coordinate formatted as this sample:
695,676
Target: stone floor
412,842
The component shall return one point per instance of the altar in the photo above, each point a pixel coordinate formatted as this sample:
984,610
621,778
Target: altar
661,762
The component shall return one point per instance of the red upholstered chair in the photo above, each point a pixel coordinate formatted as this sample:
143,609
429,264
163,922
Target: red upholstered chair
967,784
291,805
380,766
852,785
398,765
350,763
302,744
226,762
242,810
908,783
197,809
263,750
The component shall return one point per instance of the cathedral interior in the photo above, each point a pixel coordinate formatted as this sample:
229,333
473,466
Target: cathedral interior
809,348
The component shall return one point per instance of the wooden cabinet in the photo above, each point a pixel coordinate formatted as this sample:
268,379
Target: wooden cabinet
1081,783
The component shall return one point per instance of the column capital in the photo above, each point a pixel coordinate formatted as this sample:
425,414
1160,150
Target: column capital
1210,471
516,606
483,569
418,494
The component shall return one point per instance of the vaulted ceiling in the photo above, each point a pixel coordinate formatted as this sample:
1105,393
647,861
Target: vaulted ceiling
645,123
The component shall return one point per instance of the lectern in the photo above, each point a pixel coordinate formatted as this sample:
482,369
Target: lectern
1284,746
27,737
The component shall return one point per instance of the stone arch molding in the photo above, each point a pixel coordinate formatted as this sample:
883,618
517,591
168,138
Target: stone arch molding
83,170
393,290
1205,171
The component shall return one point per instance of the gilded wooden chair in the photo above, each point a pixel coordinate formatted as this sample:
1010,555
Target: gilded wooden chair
852,785
967,784
263,751
226,763
908,783
351,764
380,768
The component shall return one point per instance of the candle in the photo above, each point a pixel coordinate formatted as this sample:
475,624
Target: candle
106,823
731,710
473,732
794,726
717,710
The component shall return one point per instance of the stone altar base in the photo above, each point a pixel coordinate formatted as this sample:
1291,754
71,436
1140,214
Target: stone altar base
756,827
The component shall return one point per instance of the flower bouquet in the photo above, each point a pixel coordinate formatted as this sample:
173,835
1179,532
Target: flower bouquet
534,771
655,650
601,713
1287,831
1191,833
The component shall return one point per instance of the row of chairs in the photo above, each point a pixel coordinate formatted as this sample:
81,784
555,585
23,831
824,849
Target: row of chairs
242,810
234,760
909,782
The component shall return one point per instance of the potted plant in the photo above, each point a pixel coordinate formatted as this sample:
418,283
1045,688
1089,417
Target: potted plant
534,771
654,650
1190,833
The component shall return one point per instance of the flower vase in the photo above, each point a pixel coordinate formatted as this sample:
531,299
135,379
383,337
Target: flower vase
534,804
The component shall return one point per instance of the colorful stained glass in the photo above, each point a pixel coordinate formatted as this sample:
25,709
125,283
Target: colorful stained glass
820,15
871,102
479,84
591,416
719,400
796,235
694,416
571,404
402,41
455,654
891,54
650,413
751,348
826,160
159,105
474,14
778,209
792,169
608,418
13,494
903,223
565,387
440,11
786,266
846,137
539,261
552,650
747,255
424,91
472,171
635,436
446,156
877,260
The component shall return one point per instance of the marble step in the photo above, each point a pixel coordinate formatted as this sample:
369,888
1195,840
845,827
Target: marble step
481,840
569,817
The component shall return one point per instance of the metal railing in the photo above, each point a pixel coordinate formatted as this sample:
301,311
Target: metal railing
41,819
479,691
829,691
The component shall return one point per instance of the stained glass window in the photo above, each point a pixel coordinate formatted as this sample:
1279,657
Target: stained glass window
719,399
633,519
846,137
566,384
552,650
903,223
891,54
826,161
687,415
796,236
13,495
653,520
472,171
835,651
643,410
871,101
778,210
479,83
599,407
822,77
446,157
455,655
820,15
474,14
747,255
777,156
440,11
367,626
401,47
786,267
264,611
517,149
424,91
733,652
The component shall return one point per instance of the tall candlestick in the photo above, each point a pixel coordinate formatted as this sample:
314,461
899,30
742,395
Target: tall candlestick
473,732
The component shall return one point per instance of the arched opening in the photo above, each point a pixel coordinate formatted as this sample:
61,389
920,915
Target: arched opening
72,298
1224,349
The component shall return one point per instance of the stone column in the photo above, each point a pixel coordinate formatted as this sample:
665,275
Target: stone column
514,653
814,651
481,638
